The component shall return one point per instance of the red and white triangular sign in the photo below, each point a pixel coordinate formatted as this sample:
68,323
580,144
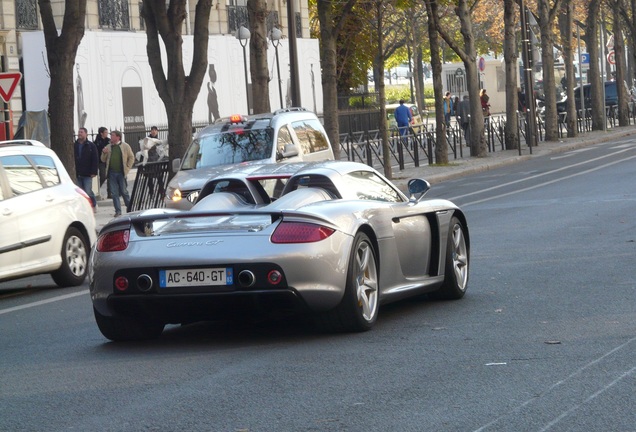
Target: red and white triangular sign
8,82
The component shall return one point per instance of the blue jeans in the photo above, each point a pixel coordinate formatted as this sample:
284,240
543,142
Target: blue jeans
447,118
118,187
404,128
86,183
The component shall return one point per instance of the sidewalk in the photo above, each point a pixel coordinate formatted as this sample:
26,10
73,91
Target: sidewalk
455,168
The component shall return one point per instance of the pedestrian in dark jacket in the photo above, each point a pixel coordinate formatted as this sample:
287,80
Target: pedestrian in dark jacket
86,163
101,141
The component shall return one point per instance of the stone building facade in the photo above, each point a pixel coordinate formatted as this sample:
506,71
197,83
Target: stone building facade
115,38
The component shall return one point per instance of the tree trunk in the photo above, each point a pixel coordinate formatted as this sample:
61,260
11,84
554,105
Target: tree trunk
419,79
565,28
546,21
418,73
329,30
594,74
478,145
177,91
619,57
441,145
259,70
60,53
384,133
510,58
329,78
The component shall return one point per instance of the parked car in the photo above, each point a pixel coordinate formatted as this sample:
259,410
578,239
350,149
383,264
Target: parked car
611,97
338,242
47,223
287,135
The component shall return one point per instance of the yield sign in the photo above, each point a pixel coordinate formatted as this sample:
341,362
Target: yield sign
8,82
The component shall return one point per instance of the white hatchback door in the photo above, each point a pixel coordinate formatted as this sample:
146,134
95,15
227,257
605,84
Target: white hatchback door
35,208
10,248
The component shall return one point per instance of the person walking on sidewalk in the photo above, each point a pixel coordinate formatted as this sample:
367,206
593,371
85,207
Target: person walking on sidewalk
463,117
403,117
86,163
119,159
101,141
448,108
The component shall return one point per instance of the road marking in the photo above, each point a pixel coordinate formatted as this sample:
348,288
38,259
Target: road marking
538,185
42,302
571,153
540,175
589,399
565,380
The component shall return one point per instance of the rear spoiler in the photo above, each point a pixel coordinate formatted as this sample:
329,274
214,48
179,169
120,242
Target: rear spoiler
140,221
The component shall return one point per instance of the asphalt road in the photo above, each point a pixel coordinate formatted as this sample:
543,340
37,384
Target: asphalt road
544,340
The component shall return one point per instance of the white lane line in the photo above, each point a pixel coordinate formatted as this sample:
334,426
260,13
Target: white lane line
538,185
589,399
541,174
42,302
572,153
562,382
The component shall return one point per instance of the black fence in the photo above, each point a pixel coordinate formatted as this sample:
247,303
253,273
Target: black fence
409,147
150,185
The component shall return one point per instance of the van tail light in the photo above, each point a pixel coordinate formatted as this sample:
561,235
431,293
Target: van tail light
113,241
300,232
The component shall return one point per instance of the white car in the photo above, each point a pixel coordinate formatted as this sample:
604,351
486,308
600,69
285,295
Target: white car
47,223
286,135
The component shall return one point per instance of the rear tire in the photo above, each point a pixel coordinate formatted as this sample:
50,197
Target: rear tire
358,310
119,328
456,270
74,253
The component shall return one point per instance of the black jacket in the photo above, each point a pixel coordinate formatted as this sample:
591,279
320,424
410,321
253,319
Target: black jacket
101,143
86,165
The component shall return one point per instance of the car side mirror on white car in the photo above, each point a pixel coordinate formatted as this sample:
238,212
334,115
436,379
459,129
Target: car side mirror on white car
290,150
176,164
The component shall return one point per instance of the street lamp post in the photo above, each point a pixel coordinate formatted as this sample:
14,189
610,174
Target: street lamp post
275,36
243,36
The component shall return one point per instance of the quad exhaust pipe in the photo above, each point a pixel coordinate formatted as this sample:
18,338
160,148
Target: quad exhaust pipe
144,283
246,278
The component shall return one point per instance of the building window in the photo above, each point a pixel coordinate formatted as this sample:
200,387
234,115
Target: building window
113,14
142,22
237,16
26,14
272,20
299,25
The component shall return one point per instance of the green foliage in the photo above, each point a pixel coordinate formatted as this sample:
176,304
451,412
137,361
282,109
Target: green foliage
395,93
358,102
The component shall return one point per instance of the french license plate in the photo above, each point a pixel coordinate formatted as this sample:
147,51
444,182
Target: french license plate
196,277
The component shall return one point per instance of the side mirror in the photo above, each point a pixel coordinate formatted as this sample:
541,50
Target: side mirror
176,163
417,189
290,150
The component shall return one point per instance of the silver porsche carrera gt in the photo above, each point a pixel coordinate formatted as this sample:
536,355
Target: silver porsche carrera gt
334,239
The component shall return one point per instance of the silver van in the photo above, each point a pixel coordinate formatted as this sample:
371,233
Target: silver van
287,135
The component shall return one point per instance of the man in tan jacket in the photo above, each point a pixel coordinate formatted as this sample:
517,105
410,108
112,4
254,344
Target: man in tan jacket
119,159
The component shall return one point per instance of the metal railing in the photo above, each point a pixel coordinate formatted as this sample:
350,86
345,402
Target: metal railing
408,147
150,185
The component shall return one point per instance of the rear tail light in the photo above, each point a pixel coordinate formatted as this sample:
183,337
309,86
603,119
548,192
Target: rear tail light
113,241
300,232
